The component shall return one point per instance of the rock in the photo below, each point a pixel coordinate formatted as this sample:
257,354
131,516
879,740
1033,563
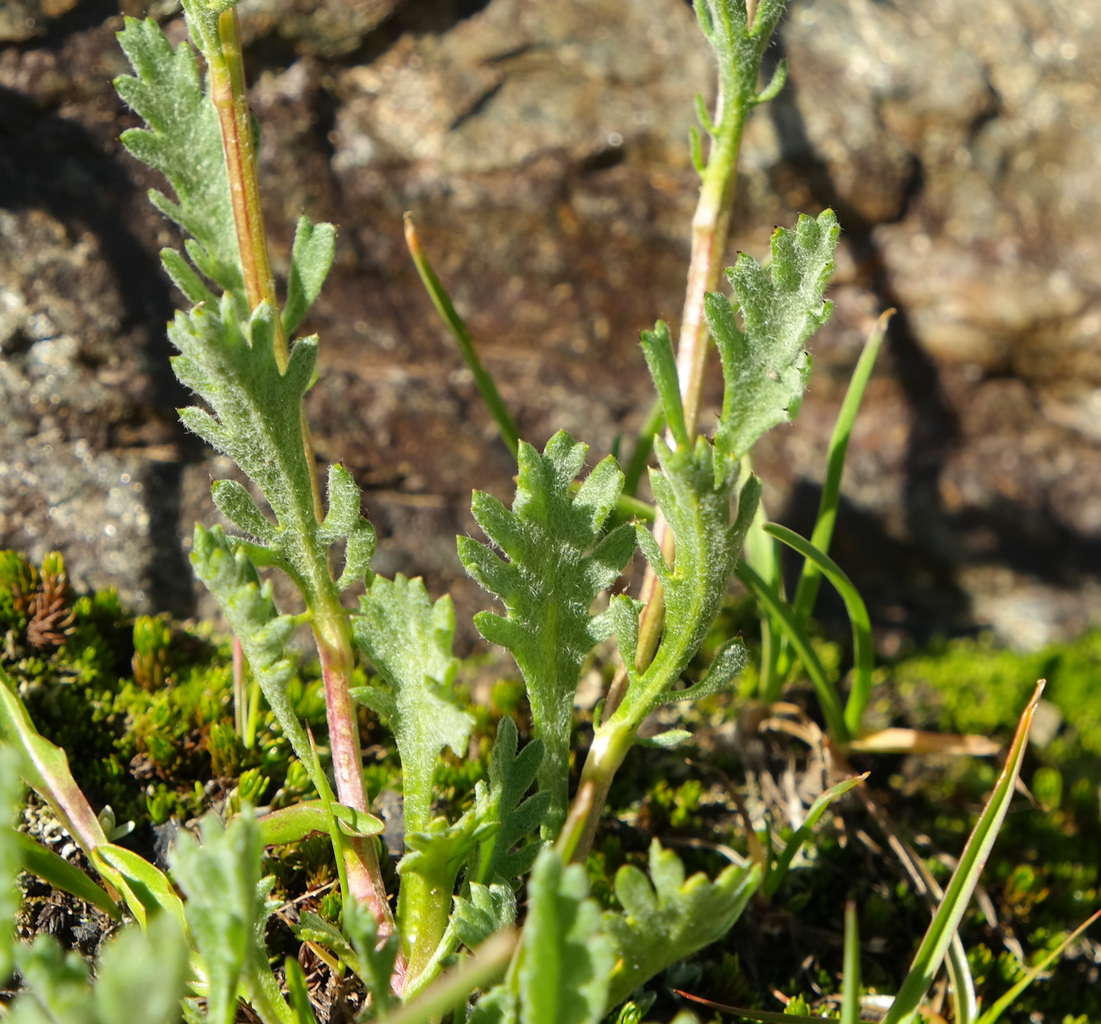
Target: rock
21,20
543,150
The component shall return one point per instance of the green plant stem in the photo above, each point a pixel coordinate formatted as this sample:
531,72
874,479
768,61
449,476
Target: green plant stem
710,228
230,95
331,630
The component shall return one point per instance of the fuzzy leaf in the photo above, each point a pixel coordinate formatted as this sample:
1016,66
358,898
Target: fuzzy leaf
311,258
657,346
257,410
565,960
358,553
489,909
343,515
229,575
183,141
765,365
408,640
502,802
695,491
143,974
227,910
236,504
553,564
666,918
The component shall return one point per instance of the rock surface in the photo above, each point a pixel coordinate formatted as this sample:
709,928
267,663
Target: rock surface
542,148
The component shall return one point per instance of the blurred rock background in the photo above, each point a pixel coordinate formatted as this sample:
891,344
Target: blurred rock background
542,147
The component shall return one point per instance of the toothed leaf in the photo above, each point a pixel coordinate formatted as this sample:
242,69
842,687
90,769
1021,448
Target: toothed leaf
666,918
565,960
765,365
510,777
553,564
408,640
183,141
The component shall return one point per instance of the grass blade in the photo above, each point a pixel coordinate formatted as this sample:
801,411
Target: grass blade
863,649
850,979
47,865
1005,1002
483,380
782,616
783,862
945,922
807,589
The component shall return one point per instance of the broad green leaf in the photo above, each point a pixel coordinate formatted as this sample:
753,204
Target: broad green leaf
46,770
554,561
12,853
47,865
183,141
145,887
564,961
666,918
765,366
291,824
311,257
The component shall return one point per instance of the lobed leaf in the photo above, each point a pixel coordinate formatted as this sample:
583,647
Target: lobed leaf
564,960
765,366
227,572
183,141
554,562
511,775
695,491
227,911
408,639
666,918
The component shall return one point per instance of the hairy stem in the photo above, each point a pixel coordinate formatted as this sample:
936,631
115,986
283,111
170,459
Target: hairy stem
331,630
334,645
710,229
